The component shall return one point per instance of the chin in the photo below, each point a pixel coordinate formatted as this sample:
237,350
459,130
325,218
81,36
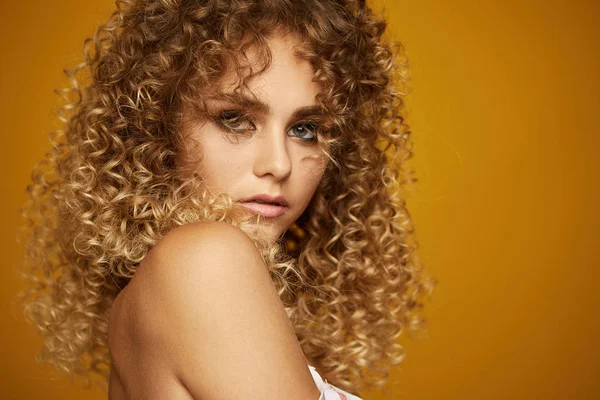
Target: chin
269,231
273,234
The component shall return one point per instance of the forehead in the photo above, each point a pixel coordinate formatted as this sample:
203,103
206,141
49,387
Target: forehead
287,82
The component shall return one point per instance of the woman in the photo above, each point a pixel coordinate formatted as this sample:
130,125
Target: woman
213,139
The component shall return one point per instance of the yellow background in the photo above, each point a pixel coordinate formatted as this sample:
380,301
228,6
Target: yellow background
503,109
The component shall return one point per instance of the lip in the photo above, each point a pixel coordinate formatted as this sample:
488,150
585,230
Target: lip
267,199
266,210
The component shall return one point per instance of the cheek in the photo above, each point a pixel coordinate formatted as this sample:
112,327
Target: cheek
310,173
312,168
222,161
222,172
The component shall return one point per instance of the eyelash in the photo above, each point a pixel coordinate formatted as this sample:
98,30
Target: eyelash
224,118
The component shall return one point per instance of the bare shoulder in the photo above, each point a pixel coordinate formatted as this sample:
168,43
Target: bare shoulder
210,240
201,312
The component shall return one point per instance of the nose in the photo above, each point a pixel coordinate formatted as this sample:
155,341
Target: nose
272,157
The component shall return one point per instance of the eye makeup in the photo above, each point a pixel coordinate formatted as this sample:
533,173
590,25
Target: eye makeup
233,121
240,121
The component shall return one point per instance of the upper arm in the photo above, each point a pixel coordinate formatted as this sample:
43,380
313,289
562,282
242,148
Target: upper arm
207,308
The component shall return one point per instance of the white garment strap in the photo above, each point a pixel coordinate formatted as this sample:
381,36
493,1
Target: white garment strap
329,391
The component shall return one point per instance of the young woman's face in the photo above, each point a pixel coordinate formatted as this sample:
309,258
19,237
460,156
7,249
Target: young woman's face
267,147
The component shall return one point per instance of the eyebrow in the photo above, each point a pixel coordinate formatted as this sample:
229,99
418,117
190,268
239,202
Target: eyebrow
261,107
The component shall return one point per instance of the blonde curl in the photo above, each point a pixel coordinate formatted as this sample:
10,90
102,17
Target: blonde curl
110,189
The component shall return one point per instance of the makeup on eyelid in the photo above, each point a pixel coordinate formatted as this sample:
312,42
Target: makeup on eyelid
223,120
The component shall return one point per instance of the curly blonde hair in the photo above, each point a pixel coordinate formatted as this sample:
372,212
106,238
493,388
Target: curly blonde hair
346,271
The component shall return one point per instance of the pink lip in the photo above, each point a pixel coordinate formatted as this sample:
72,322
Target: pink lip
268,199
266,210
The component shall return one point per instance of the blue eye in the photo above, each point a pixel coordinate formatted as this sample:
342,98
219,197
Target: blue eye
305,130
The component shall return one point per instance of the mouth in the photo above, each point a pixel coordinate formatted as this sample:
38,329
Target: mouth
266,205
265,209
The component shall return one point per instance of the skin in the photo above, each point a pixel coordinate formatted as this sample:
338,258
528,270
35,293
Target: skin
201,318
268,152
